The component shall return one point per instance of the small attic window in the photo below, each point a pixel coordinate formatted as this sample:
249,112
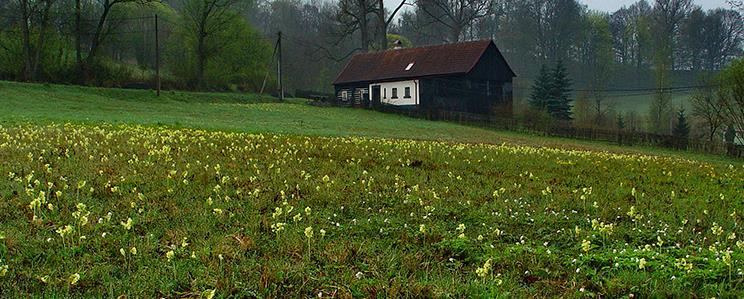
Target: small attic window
410,65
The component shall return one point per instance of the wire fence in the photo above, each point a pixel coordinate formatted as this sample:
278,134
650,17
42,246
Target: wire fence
559,129
625,137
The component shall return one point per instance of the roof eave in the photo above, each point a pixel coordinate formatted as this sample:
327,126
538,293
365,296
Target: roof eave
394,79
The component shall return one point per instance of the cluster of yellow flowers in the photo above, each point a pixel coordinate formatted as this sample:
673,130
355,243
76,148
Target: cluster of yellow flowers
485,270
234,176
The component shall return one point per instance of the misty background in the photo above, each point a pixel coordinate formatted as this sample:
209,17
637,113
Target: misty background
617,52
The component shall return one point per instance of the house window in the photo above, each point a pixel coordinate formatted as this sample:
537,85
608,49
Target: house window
384,93
410,65
395,93
344,95
407,93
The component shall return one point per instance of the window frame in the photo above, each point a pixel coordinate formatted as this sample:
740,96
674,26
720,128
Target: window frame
407,92
394,93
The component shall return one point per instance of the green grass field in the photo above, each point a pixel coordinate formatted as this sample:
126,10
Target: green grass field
641,103
107,193
43,104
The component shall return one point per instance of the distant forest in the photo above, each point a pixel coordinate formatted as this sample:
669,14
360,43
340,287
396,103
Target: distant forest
231,44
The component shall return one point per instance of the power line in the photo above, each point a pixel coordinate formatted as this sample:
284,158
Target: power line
635,91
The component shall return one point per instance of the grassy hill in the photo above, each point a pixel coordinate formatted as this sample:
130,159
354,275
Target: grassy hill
642,103
114,205
36,103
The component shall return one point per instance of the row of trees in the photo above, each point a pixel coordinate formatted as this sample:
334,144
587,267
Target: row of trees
674,34
600,50
205,43
718,106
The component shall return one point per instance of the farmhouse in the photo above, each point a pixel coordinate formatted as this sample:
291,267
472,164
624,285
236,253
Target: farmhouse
469,77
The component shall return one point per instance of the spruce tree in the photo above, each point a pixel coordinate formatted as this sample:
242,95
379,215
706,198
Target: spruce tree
681,130
541,90
559,102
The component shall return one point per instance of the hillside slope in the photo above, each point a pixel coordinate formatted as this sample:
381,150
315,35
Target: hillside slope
44,103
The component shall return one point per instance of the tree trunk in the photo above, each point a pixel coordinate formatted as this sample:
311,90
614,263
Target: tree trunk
96,40
41,39
25,31
382,25
455,32
363,25
201,58
78,39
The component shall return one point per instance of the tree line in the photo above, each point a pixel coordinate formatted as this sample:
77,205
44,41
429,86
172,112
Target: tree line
206,44
42,38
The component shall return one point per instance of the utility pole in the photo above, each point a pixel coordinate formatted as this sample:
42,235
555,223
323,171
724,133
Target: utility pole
279,66
157,56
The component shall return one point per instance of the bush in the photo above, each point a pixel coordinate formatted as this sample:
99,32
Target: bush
536,120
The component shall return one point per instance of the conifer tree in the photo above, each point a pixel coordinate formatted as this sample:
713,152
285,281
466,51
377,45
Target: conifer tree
681,130
559,103
541,90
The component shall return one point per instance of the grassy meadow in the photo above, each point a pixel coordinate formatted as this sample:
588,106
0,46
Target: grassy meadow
50,104
642,103
107,193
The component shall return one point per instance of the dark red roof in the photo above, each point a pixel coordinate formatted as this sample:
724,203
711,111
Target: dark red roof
448,59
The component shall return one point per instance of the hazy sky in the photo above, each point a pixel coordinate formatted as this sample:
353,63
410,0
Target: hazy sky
613,5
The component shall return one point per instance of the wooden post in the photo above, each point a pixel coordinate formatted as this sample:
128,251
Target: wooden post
279,66
157,57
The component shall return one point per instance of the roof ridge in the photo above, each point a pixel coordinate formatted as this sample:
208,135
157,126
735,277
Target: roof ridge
434,46
431,60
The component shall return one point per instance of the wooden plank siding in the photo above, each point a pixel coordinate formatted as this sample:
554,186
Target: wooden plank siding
471,77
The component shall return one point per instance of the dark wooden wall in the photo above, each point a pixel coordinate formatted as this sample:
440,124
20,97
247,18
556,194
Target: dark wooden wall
356,97
487,89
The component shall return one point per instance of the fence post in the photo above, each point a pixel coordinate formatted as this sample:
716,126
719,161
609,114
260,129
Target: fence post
157,57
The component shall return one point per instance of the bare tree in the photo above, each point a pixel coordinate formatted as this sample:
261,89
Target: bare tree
723,37
708,111
668,16
383,22
354,16
731,94
736,4
456,15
